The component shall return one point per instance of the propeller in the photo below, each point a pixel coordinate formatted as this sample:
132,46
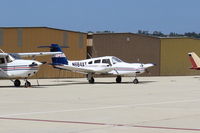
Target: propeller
44,62
36,64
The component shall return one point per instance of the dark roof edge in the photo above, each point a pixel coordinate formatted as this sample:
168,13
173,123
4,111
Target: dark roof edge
43,27
157,37
127,33
184,37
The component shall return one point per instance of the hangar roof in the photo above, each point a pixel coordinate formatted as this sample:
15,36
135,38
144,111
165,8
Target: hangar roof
156,37
42,27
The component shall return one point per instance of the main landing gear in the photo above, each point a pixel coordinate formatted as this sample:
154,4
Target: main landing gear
17,83
119,79
90,78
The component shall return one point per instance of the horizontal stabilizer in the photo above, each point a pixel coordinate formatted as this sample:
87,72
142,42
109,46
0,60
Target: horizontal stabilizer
33,54
52,46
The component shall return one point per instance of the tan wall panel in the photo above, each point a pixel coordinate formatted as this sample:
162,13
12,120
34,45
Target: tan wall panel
75,52
34,37
174,57
10,41
130,48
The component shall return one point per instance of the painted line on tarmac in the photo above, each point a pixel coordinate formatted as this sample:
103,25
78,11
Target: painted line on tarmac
100,124
101,108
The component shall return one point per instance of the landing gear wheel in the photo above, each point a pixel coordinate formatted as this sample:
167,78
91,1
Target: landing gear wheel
17,83
118,79
135,81
91,80
27,84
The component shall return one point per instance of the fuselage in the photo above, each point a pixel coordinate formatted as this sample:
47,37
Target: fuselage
119,67
19,68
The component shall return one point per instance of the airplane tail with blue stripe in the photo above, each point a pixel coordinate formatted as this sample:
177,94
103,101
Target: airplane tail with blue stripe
58,59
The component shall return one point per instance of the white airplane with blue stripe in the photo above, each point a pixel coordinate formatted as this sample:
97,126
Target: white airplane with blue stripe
106,65
14,68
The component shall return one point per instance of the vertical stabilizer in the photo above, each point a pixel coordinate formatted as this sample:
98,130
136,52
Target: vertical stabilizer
58,59
195,60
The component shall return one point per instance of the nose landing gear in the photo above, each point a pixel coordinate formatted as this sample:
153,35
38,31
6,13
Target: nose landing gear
90,78
135,81
27,83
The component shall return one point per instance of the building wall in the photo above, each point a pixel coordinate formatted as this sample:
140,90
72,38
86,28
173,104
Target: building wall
129,47
15,40
174,57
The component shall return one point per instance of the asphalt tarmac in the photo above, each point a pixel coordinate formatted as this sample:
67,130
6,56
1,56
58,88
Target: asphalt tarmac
155,105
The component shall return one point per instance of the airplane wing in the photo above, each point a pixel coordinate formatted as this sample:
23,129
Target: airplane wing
84,69
105,70
33,54
3,54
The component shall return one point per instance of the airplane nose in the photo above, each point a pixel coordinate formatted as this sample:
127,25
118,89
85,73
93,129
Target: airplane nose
35,63
39,63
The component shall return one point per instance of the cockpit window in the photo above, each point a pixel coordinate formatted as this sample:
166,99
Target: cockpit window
106,61
2,60
116,60
97,61
8,59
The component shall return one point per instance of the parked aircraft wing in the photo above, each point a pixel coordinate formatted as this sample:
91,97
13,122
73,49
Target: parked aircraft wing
105,70
84,69
74,69
33,54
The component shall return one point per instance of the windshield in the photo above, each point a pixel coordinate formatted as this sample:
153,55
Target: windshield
115,60
9,59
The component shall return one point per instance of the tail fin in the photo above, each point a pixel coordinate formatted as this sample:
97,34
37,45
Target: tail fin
195,60
58,59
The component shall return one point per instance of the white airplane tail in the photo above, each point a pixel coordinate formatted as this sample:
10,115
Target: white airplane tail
195,60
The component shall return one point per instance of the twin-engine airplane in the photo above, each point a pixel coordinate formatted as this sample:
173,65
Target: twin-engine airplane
195,61
101,65
12,67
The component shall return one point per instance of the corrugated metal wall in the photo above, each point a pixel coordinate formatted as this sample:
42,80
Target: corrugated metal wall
170,54
174,57
129,47
28,39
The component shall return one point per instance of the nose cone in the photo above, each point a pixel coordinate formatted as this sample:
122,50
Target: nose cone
35,64
149,65
39,63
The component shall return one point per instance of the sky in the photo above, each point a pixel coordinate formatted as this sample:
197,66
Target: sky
167,16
